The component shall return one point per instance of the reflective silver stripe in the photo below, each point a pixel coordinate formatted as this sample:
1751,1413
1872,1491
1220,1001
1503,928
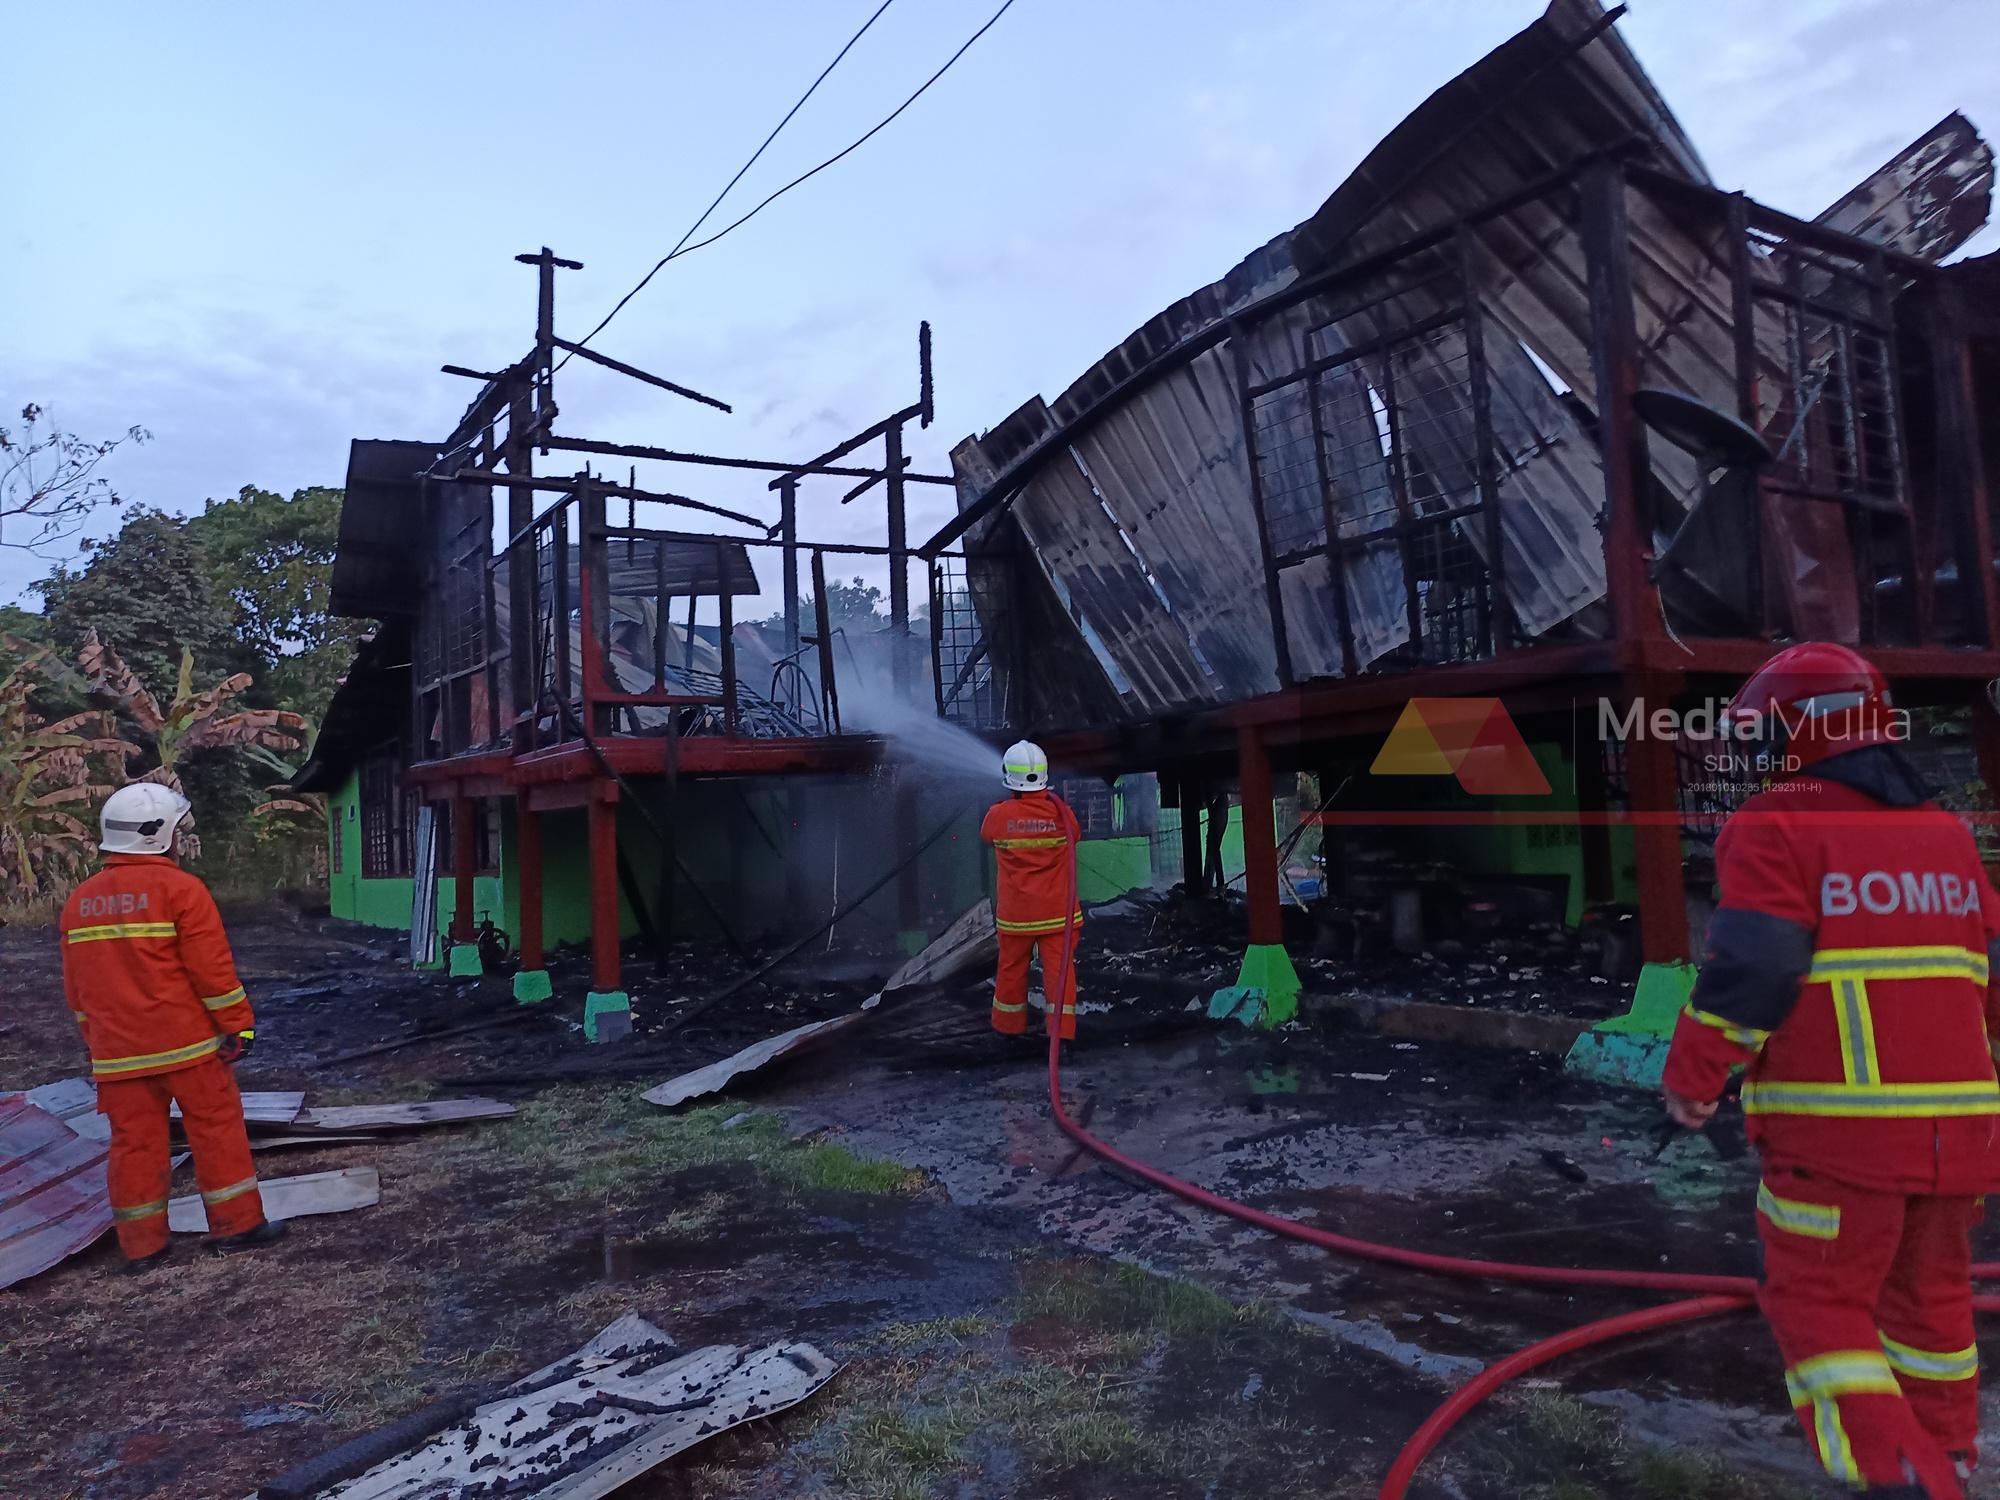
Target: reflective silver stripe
1845,1372
1743,1036
1857,1030
113,930
1932,1364
1898,963
111,1067
1817,1221
1878,1100
234,1190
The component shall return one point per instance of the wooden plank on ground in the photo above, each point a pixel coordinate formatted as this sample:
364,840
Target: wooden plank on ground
283,1142
278,1107
291,1198
338,1118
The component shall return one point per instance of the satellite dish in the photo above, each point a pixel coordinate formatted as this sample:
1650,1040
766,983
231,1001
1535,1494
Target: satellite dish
1698,428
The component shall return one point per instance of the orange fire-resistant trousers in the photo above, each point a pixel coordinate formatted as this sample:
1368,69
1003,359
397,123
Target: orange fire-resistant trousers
1010,990
212,1113
1870,1296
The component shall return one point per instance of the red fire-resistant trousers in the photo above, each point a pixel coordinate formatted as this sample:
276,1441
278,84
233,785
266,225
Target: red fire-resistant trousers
1870,1296
1010,991
212,1113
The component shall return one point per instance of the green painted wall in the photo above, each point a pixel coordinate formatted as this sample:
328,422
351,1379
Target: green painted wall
385,903
1532,850
1106,868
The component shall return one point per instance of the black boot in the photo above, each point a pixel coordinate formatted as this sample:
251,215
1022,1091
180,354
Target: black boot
146,1263
267,1233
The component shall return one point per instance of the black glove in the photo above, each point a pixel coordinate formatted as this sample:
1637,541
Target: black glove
236,1046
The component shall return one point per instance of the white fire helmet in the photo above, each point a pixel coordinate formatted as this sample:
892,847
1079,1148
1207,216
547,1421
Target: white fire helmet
141,818
1025,769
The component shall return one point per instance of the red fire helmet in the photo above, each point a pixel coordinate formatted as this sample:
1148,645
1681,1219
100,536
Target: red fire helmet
1818,699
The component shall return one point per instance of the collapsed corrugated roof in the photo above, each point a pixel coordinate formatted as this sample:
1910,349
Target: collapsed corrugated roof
1135,486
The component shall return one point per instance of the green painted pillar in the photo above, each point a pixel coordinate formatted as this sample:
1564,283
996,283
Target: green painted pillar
1266,964
1631,1050
465,962
532,986
607,1016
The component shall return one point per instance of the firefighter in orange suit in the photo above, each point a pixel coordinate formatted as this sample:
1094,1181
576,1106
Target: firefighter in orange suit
1847,968
149,975
1033,834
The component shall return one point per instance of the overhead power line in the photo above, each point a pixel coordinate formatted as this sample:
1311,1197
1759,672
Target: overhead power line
684,248
796,107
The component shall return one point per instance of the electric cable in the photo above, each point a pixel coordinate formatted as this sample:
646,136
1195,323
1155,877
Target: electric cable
800,104
686,249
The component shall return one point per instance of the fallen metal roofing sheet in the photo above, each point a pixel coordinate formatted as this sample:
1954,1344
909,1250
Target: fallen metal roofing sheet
335,1192
53,1196
582,1427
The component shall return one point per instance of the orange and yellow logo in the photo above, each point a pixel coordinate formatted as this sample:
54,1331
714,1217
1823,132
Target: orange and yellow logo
1473,739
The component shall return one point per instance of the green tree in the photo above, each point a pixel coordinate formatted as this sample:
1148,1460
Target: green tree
150,592
273,558
854,605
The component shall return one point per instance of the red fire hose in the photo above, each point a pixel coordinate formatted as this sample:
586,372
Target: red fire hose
1718,1294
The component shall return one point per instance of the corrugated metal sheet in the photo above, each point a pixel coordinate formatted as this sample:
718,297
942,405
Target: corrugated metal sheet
1169,467
1160,558
1929,199
54,1200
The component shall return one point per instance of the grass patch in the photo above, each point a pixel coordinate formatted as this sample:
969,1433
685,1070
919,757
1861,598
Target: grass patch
1126,1299
886,1452
1558,1448
609,1143
957,1331
376,1377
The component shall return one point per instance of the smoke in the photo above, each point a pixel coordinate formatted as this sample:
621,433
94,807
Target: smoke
916,736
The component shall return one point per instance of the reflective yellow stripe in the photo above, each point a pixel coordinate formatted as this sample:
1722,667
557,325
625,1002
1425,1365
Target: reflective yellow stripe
234,1190
1816,1221
223,1002
1053,924
111,1066
1931,1364
143,1211
1009,1010
1836,1454
1020,767
121,930
1880,1100
1858,1063
1897,963
1743,1036
1844,1372
1054,843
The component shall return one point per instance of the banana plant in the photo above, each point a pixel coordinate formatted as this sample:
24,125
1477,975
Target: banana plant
192,722
48,771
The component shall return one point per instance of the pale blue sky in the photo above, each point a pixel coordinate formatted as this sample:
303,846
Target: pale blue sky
258,229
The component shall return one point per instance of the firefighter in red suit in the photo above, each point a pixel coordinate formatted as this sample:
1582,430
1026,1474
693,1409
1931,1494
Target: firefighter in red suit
1033,834
148,973
1847,968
